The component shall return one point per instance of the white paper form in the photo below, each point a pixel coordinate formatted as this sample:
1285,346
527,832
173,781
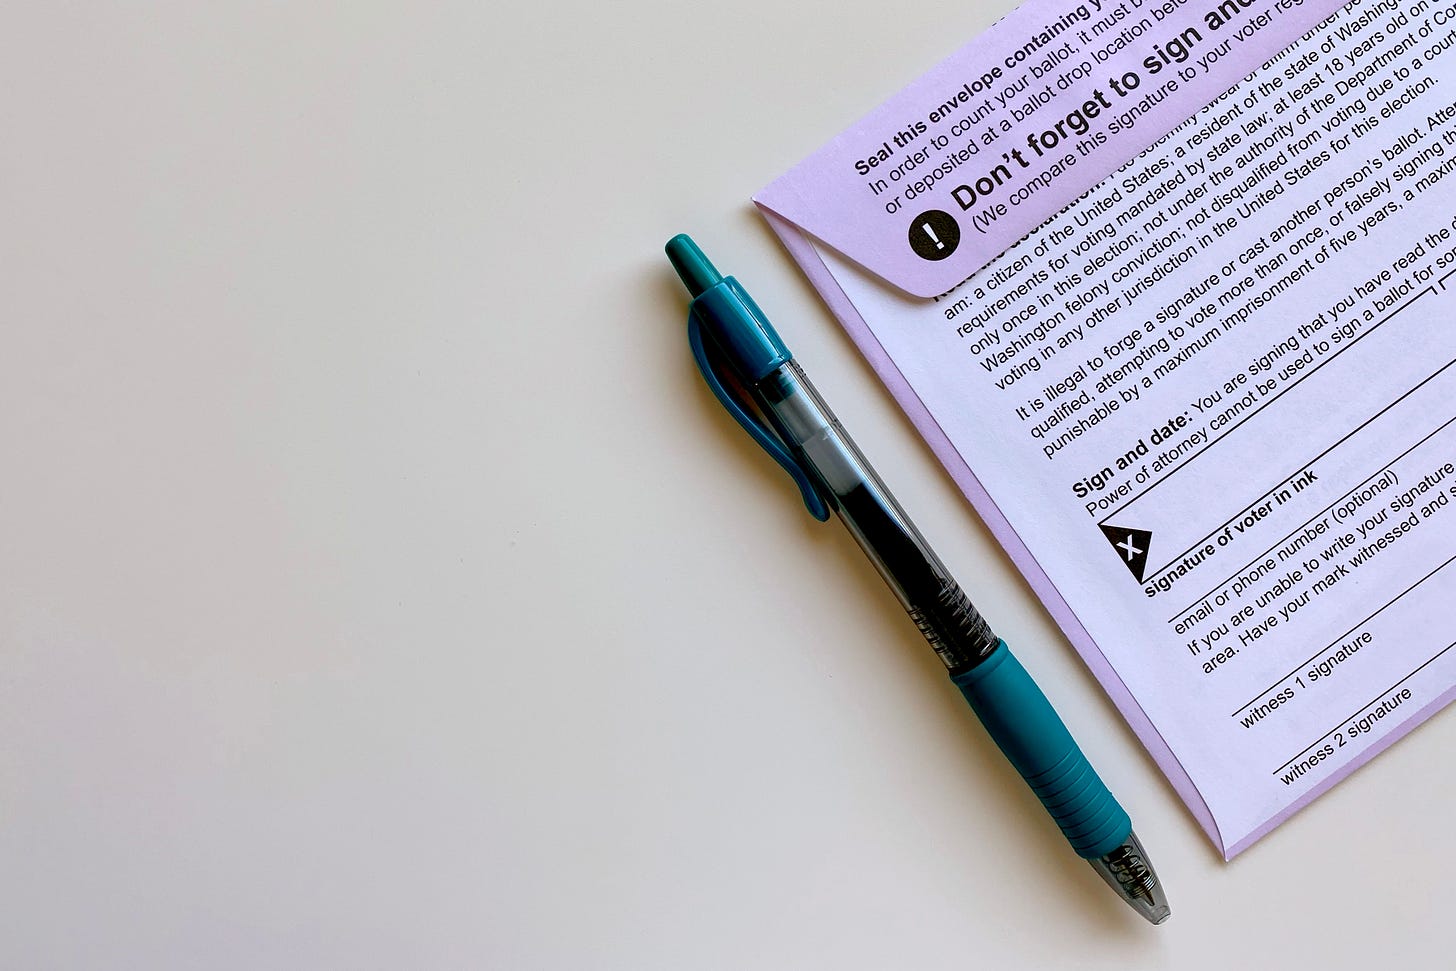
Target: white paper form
1210,406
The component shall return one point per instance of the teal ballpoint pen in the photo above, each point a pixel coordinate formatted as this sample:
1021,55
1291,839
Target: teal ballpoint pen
753,374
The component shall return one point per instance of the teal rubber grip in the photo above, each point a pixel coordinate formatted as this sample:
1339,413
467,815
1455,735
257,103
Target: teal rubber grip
1028,731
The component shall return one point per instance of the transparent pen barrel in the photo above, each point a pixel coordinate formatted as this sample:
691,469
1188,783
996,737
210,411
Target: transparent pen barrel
908,565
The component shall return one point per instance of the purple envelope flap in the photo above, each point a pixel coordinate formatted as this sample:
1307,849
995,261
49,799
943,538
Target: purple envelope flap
948,174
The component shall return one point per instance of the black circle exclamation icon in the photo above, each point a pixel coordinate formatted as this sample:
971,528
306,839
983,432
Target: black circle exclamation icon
934,234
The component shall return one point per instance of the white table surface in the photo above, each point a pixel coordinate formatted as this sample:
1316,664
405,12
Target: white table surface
381,588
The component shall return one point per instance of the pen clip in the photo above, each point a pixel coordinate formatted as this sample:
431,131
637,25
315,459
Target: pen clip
709,363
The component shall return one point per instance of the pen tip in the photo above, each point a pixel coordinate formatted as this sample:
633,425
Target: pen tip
696,271
1129,871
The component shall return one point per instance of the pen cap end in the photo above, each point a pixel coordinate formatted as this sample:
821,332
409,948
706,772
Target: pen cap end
695,269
